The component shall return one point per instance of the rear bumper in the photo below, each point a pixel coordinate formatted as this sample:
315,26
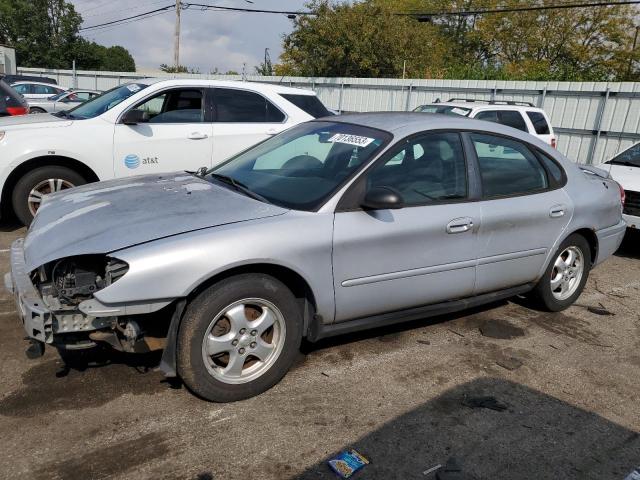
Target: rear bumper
36,318
609,239
632,221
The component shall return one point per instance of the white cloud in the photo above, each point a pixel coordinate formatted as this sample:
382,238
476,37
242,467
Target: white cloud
209,39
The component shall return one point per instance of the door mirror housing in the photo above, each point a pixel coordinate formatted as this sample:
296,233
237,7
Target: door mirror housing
134,117
383,198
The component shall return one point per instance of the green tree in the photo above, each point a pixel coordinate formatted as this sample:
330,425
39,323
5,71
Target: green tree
179,69
368,38
45,33
364,39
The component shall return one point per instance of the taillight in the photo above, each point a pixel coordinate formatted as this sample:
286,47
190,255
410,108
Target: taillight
623,195
17,110
554,142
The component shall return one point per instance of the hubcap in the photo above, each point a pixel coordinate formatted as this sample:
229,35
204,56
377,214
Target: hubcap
567,273
43,188
244,340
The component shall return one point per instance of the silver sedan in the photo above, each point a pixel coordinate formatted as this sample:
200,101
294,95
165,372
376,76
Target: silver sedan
334,226
62,101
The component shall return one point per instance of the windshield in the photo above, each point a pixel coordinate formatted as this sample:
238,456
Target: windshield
630,157
57,96
303,166
444,109
106,101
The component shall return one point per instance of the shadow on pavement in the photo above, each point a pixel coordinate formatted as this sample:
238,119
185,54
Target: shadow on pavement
630,247
537,436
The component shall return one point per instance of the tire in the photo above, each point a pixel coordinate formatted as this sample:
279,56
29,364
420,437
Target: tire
63,177
219,312
36,110
555,299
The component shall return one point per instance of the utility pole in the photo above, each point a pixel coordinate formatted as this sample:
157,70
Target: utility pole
176,47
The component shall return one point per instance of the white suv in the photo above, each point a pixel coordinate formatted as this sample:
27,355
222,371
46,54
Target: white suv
149,126
625,169
519,115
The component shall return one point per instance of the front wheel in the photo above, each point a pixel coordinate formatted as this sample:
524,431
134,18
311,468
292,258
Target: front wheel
29,190
566,275
238,338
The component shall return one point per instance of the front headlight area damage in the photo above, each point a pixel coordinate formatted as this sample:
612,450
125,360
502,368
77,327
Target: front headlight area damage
79,321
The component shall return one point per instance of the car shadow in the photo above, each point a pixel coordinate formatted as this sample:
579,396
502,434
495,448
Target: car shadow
534,436
630,247
10,225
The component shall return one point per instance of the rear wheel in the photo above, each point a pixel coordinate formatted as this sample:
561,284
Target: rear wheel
238,338
28,192
36,110
566,275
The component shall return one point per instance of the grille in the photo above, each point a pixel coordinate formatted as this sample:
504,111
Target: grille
632,203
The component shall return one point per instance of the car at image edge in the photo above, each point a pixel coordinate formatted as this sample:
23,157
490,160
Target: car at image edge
522,116
11,103
333,226
625,169
149,126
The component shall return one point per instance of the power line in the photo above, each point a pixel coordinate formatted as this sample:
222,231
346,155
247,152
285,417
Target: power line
417,14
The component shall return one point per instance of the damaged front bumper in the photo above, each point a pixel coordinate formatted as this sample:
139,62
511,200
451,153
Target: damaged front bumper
36,318
40,323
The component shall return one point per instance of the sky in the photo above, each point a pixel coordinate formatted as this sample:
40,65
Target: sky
209,39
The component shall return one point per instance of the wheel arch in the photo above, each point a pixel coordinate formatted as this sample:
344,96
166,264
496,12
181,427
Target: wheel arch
293,280
42,161
591,238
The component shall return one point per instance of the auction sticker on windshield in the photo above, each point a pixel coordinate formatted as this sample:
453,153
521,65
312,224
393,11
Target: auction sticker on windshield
351,139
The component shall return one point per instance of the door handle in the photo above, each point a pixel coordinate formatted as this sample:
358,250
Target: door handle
272,131
197,136
460,225
557,211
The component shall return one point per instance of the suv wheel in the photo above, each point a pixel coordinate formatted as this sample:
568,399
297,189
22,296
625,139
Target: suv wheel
566,275
28,192
238,338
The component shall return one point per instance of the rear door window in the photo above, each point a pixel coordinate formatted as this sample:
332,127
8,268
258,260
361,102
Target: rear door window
513,119
539,123
507,167
241,106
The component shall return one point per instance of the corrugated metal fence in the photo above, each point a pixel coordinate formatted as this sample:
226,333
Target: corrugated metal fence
593,120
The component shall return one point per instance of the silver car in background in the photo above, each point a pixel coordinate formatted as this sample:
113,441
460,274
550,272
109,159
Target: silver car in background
62,101
336,225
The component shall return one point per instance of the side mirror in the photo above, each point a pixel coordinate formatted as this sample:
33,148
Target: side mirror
133,117
383,198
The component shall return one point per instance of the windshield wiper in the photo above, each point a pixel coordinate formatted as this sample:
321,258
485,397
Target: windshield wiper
624,163
239,186
64,114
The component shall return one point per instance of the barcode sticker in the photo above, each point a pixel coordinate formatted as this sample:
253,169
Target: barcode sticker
351,139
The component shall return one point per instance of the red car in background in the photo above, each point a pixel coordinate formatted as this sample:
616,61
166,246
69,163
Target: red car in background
11,102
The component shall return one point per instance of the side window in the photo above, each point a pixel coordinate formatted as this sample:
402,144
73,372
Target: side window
488,116
21,89
430,168
174,106
630,157
242,106
507,167
45,90
553,168
513,119
82,96
539,123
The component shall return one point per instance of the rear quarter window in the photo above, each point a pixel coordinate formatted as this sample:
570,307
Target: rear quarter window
539,123
309,104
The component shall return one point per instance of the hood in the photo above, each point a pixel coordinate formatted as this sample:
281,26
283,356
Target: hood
108,216
628,177
34,121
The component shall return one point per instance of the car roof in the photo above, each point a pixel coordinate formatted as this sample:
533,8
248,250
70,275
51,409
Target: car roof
402,124
484,105
31,82
253,86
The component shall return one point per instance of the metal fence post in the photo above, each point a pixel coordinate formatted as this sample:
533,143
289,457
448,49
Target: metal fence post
542,98
340,98
594,144
408,97
95,81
